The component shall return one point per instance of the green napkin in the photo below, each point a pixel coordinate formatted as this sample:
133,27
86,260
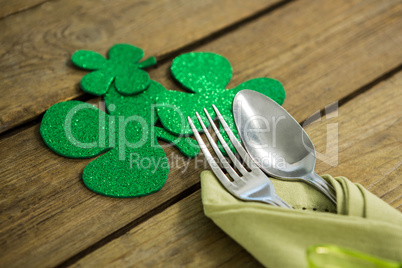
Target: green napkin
280,237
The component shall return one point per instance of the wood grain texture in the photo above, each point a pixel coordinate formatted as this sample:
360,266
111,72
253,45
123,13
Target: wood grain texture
369,140
36,46
47,215
181,236
8,7
320,51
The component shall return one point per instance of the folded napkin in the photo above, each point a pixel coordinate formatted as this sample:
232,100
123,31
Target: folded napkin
279,237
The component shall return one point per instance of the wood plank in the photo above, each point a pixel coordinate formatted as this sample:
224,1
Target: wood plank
334,49
44,199
8,8
181,236
41,191
369,140
35,60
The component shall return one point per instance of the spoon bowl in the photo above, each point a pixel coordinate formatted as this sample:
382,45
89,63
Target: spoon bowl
276,141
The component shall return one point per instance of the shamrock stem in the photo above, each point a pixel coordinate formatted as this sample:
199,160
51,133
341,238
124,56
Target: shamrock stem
148,62
186,145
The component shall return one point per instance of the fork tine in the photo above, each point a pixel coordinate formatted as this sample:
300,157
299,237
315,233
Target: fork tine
223,160
232,157
211,161
239,148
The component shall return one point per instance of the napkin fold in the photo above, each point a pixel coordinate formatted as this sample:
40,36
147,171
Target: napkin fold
279,237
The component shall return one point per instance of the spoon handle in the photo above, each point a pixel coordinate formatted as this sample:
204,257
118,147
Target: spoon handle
322,185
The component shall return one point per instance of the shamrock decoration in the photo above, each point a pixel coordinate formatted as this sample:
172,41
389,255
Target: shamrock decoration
123,67
132,163
206,75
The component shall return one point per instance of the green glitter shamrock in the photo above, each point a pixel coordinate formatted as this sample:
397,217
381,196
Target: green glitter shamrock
132,162
206,75
123,67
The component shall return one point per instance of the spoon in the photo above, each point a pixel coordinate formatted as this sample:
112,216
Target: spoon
276,141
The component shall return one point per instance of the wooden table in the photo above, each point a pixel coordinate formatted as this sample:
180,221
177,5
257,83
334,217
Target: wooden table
343,53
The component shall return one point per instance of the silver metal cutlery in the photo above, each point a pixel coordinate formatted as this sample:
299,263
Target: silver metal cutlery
276,141
243,180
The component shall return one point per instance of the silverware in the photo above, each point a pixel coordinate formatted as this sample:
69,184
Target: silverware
251,185
276,141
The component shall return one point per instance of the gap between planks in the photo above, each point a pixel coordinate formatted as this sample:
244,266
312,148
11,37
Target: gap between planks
196,187
328,109
18,6
194,199
161,59
164,56
88,98
122,231
316,87
169,56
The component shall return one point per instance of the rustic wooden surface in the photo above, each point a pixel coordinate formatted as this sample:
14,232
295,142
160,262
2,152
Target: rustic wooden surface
182,225
8,8
37,58
324,52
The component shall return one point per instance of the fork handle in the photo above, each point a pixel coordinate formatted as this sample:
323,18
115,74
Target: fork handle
277,201
322,185
281,203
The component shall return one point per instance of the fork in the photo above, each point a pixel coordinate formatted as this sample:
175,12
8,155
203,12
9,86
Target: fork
246,185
